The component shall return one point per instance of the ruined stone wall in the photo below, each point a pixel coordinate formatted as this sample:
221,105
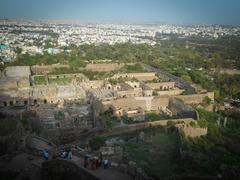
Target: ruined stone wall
44,69
133,127
17,71
192,131
159,103
172,92
104,67
7,84
183,124
41,94
70,92
56,93
10,83
133,84
94,84
147,92
23,83
161,85
11,101
130,93
195,98
74,75
145,103
139,76
129,103
181,110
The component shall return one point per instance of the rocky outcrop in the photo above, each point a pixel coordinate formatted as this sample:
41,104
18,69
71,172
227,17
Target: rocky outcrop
65,170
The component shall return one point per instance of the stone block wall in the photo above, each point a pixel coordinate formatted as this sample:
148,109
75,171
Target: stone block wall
104,67
195,98
161,85
172,92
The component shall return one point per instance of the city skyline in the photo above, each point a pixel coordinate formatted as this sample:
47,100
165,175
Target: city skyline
125,11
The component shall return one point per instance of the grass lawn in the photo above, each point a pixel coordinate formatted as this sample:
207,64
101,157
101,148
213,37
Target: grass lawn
39,80
60,81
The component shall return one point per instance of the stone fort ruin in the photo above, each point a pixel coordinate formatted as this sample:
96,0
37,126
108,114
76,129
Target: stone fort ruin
72,100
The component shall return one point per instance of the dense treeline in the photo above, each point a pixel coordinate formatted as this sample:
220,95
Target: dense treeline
185,52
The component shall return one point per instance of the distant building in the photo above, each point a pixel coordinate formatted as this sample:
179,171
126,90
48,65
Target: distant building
53,51
3,46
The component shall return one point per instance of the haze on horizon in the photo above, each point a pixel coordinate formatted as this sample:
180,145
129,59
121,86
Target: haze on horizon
129,11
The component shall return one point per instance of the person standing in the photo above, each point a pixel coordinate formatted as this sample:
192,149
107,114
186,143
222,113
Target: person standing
105,163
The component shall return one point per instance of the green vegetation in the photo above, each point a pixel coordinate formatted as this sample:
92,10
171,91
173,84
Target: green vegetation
156,117
206,101
40,80
216,153
59,115
193,124
60,81
133,68
127,120
109,119
210,155
92,75
97,142
47,59
95,75
155,154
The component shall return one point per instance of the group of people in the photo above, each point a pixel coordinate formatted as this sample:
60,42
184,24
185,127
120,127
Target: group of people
95,162
65,153
90,162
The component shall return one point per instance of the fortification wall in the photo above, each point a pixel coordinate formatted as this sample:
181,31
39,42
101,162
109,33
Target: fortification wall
44,69
139,76
172,92
146,103
94,84
41,94
193,131
9,83
133,127
126,103
73,75
17,71
159,103
55,93
195,98
104,67
181,110
182,124
130,93
161,85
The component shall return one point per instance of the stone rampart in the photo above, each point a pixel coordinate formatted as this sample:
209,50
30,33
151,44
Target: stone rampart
195,98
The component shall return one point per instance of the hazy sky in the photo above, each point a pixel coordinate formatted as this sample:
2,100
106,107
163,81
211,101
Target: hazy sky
172,11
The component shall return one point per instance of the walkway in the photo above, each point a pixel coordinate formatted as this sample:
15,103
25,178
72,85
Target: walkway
104,174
